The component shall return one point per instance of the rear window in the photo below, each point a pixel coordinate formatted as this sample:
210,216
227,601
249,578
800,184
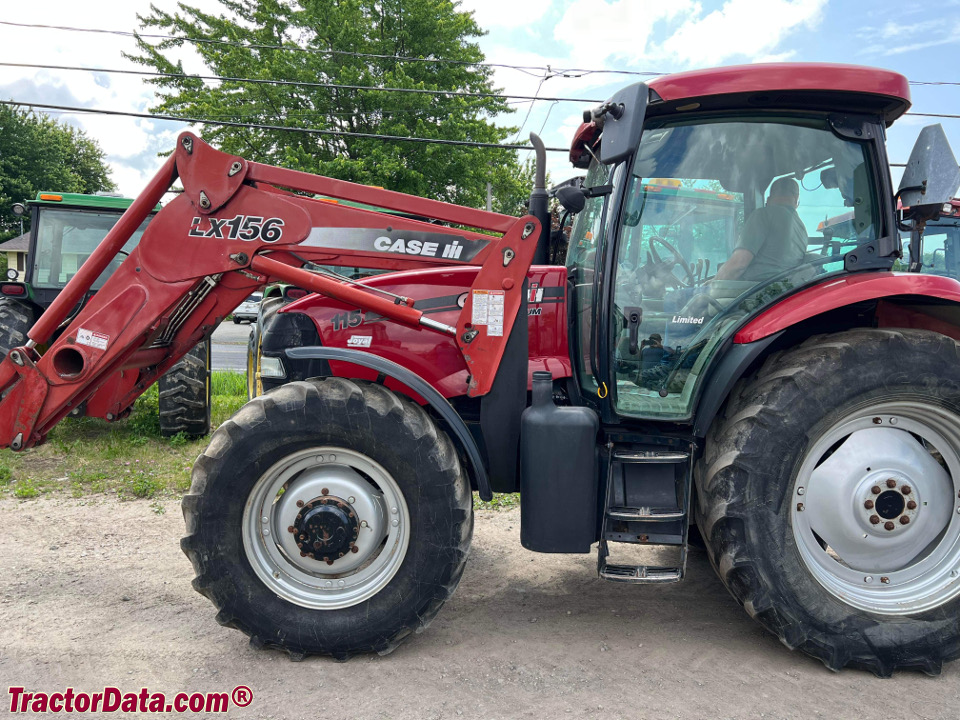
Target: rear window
254,298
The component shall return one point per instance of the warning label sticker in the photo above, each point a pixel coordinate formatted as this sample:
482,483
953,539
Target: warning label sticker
488,308
93,339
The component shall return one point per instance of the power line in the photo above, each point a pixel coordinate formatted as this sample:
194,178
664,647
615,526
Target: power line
297,83
314,51
259,126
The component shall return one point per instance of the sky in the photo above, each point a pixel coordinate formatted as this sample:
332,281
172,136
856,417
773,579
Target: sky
918,40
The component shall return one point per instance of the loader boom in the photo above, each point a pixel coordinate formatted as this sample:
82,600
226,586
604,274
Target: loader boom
237,226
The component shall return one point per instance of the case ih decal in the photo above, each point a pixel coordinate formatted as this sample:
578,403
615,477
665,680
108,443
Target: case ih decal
400,242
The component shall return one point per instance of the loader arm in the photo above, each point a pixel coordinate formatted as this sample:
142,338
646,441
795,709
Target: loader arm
237,226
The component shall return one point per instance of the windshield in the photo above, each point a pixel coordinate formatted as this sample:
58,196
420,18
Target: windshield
66,238
722,217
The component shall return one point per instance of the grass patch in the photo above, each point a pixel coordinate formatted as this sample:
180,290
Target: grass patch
130,457
501,501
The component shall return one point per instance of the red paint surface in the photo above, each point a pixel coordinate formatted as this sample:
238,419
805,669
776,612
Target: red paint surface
433,357
783,77
844,291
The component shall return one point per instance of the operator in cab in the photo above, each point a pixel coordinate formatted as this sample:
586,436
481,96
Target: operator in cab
774,239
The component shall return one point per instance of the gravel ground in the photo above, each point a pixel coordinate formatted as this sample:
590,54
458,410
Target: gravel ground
96,592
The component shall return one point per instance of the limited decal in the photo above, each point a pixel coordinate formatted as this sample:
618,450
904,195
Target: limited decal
687,320
239,227
488,309
359,341
92,338
398,242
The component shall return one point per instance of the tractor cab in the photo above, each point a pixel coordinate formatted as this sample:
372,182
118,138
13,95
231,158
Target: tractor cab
65,230
707,209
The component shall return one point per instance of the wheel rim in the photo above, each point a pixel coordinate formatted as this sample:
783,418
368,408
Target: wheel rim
875,510
308,512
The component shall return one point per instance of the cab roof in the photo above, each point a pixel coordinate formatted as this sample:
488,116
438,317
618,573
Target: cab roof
93,202
773,85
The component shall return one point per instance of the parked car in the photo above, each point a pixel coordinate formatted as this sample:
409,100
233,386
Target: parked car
248,309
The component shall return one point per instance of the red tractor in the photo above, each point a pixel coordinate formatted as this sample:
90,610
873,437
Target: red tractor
703,356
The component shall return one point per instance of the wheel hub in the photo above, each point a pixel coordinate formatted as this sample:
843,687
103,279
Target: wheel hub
326,529
889,502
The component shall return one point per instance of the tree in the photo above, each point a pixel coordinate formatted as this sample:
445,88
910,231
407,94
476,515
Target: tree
38,153
331,42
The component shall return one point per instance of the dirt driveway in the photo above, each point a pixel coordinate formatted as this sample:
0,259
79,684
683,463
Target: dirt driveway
96,593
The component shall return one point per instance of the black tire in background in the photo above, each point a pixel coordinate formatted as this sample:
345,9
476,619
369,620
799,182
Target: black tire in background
15,320
333,412
268,308
746,492
185,394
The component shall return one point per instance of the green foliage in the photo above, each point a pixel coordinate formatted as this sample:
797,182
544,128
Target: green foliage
390,28
25,489
38,153
501,501
6,474
140,484
229,383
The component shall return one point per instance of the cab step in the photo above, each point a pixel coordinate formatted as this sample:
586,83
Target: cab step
646,503
640,574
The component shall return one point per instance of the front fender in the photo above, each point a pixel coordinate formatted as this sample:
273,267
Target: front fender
450,417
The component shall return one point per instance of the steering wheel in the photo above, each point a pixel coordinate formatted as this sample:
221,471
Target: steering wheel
690,280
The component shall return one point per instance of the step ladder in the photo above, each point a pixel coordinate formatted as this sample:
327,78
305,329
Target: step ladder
647,503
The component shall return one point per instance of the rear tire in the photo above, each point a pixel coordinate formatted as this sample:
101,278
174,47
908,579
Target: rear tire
185,395
761,497
301,604
15,320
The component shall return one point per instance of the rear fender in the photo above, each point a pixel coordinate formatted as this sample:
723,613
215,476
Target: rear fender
893,300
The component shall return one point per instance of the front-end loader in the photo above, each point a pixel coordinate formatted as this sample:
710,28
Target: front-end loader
700,357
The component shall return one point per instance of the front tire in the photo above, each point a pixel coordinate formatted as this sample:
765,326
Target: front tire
386,469
828,497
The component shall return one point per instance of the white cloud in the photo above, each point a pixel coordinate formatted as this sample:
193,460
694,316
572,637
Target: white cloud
751,29
506,13
598,29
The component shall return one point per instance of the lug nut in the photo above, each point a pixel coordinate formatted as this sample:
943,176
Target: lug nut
868,504
904,520
906,490
325,491
299,503
799,509
340,555
291,529
875,489
888,525
303,554
885,580
875,519
354,548
316,545
911,505
891,483
329,562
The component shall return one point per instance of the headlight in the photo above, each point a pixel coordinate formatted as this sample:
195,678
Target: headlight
271,367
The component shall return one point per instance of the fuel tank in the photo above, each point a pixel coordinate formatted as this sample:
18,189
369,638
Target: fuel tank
440,294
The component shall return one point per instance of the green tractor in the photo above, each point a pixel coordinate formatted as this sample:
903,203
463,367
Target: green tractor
65,228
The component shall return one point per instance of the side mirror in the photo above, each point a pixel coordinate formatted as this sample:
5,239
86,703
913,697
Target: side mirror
621,118
931,177
571,198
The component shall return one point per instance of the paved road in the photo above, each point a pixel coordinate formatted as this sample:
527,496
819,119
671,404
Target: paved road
230,346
